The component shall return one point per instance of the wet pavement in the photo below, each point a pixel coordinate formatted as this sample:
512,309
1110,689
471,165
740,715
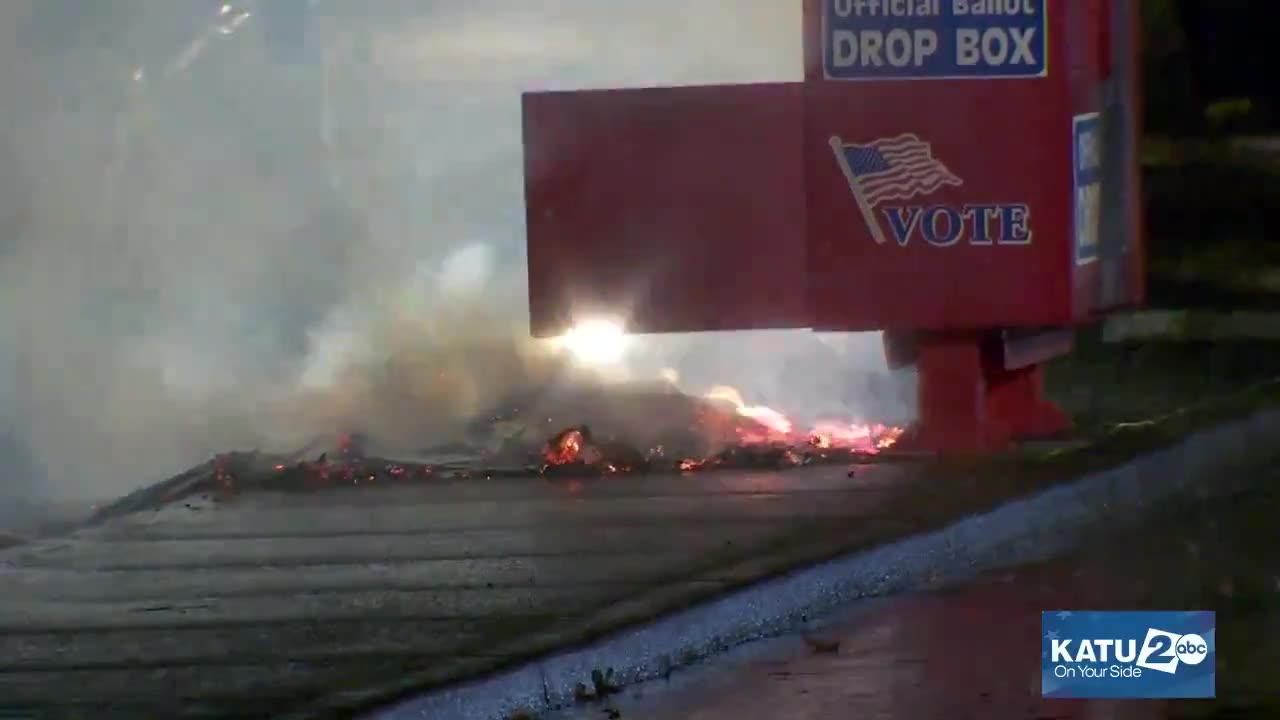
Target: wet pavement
974,651
277,601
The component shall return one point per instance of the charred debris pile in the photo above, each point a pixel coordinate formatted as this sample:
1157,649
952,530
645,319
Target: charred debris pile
574,434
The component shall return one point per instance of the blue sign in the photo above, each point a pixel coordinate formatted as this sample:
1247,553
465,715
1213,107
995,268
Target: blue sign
1086,185
908,39
1127,654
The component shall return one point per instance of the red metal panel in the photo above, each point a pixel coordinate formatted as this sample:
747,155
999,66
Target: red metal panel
729,207
812,28
1103,41
675,209
1001,157
1008,143
1083,39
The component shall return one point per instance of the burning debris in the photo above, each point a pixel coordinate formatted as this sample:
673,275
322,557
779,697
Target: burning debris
571,446
658,430
762,438
647,430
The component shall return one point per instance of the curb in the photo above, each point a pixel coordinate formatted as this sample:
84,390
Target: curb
1018,532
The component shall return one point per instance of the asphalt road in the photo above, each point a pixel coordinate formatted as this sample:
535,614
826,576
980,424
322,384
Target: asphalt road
973,651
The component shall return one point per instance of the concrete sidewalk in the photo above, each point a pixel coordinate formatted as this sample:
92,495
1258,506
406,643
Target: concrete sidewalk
323,604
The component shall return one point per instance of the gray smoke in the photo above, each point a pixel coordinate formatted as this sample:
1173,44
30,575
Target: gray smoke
233,226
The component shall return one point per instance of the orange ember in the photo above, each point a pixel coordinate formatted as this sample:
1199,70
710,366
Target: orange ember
691,464
761,437
569,447
565,448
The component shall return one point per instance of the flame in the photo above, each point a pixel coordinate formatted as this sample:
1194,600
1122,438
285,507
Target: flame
875,436
868,438
773,420
573,446
770,418
565,448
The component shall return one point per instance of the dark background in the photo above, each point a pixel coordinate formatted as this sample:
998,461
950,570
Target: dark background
1202,51
1232,46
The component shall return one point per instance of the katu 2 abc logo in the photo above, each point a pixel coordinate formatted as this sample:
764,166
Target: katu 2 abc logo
1092,654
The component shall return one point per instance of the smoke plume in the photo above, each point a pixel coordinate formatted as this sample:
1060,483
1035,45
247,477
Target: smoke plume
233,227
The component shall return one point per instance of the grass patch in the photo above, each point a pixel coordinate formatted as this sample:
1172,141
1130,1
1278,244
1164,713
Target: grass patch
1105,385
1209,204
1226,152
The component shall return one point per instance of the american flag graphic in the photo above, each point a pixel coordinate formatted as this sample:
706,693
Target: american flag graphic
896,168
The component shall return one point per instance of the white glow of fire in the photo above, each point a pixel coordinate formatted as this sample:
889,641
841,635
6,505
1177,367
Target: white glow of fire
595,342
770,418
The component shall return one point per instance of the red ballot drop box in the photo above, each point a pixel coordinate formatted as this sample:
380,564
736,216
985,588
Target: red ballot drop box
960,175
